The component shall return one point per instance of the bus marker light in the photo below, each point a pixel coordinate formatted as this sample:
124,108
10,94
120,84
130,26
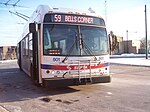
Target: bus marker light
55,8
50,11
77,13
70,12
54,51
83,13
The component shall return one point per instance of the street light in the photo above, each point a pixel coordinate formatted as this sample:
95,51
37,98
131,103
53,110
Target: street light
127,41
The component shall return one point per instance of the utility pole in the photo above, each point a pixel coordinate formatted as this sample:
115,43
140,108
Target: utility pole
146,32
127,42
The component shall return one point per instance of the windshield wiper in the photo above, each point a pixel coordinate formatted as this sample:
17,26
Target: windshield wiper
89,51
71,48
80,43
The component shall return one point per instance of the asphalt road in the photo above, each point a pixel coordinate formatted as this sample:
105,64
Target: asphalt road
129,91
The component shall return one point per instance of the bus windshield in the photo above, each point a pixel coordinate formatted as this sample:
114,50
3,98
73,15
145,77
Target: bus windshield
74,40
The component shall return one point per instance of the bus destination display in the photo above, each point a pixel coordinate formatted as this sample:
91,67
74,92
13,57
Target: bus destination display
74,19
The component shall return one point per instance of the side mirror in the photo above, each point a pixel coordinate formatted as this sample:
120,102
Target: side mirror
33,27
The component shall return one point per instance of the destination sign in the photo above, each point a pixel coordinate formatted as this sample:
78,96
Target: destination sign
74,19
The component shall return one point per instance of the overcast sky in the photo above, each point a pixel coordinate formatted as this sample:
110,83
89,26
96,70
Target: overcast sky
120,15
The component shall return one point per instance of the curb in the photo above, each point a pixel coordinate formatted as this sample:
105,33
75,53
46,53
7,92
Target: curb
129,64
7,61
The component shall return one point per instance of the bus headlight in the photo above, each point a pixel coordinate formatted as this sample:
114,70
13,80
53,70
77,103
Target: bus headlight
58,72
50,72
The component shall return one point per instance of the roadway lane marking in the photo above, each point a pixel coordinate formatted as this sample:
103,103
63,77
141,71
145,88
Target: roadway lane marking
109,93
2,109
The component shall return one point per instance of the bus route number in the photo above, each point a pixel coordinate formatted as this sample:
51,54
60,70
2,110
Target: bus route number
57,18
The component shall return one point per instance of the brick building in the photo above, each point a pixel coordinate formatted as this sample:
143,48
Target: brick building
7,52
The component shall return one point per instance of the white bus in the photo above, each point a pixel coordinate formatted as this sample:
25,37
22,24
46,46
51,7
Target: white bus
63,47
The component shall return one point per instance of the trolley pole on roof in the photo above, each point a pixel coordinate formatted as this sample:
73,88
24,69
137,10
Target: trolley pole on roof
146,50
106,11
20,15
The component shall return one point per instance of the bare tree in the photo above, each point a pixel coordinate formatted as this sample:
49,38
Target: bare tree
113,43
143,43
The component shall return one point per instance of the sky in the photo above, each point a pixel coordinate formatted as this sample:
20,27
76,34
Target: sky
119,15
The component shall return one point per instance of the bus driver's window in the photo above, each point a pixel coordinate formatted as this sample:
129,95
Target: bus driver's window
47,40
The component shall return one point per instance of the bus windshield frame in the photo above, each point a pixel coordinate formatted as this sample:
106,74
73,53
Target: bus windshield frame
74,39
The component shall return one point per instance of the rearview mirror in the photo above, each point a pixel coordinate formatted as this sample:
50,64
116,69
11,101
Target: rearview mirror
33,27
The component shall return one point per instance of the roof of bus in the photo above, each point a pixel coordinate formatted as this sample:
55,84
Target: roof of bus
43,9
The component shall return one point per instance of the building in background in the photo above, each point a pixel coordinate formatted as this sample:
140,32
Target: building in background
127,46
131,46
7,52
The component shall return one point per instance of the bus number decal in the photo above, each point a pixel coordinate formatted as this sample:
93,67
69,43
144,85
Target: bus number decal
101,58
56,59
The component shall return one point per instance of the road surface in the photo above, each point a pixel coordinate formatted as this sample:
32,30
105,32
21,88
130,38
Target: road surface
129,91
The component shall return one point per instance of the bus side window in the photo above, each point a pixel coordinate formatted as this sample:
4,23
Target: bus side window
30,45
23,47
27,45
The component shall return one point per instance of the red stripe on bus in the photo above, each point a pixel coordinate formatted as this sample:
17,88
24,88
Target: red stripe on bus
72,67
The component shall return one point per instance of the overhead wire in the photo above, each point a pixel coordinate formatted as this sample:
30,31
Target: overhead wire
11,14
17,2
15,22
8,1
16,11
10,4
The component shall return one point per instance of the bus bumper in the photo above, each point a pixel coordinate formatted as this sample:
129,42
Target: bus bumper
62,82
